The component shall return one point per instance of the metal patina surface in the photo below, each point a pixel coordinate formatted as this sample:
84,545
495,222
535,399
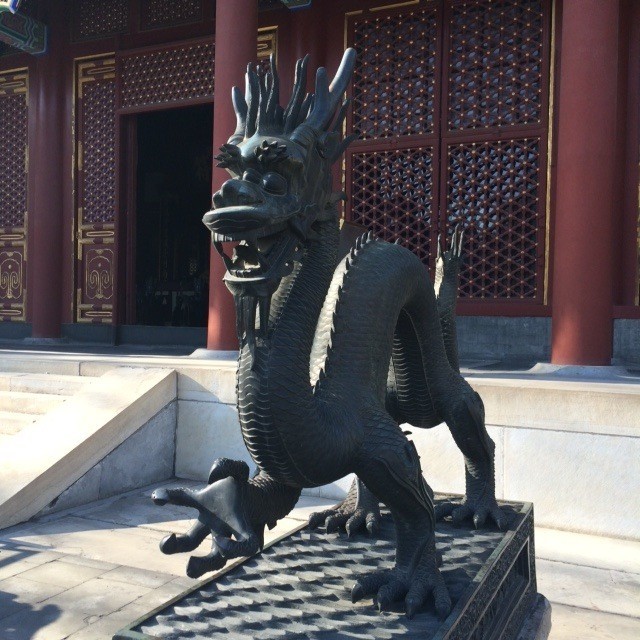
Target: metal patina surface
299,588
334,355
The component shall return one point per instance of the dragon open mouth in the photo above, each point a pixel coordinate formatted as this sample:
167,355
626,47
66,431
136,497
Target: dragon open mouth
257,264
265,251
258,258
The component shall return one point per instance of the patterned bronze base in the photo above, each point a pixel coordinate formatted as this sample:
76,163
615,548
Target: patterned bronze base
299,588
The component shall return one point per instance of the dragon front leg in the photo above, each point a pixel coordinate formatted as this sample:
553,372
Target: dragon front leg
233,509
389,464
359,510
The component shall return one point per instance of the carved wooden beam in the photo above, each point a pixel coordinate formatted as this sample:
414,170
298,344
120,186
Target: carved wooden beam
20,31
296,4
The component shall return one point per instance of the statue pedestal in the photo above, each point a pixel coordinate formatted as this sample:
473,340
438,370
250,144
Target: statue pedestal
298,587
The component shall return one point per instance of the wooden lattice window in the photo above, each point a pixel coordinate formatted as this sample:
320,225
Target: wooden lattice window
394,86
156,14
92,19
392,194
167,75
450,103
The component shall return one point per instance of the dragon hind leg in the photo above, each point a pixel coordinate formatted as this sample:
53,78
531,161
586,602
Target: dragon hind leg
390,467
465,419
359,510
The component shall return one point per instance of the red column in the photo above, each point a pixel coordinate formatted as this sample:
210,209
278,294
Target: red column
583,249
236,45
46,162
309,37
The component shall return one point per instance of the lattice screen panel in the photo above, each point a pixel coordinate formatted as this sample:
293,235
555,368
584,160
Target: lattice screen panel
483,64
495,63
167,75
95,188
98,151
394,80
13,142
93,19
493,192
155,14
392,195
13,193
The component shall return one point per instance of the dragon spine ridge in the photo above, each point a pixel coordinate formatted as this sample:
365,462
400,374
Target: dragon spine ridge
360,244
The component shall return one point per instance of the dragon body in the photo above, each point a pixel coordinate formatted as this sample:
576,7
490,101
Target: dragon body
334,354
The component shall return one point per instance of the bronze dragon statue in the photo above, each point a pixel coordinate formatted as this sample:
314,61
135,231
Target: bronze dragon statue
334,355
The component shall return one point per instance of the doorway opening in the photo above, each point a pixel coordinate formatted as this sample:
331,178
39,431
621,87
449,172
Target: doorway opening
173,191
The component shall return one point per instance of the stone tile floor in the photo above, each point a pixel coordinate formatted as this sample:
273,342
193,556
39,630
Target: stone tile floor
85,573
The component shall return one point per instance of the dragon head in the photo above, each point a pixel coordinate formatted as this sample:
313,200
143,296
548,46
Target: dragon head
280,163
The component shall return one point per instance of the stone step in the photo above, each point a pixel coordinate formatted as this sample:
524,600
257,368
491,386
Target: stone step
12,422
56,384
23,402
22,362
45,458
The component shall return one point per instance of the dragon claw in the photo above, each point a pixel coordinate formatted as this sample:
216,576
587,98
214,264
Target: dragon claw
169,544
160,497
336,521
480,511
359,511
222,513
199,565
413,586
237,548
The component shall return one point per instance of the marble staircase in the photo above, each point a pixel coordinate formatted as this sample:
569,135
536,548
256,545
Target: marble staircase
26,396
58,426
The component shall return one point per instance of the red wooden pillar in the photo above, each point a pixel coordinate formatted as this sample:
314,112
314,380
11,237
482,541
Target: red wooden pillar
45,163
309,37
582,326
236,45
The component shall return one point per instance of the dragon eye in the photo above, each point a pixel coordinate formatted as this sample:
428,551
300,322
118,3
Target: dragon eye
251,175
274,183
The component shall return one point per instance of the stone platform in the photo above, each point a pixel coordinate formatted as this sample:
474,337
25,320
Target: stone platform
298,587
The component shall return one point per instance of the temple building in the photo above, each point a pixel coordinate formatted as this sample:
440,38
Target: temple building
516,119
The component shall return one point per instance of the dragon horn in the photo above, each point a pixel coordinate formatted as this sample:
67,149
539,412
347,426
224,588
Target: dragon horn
292,112
326,99
241,109
273,98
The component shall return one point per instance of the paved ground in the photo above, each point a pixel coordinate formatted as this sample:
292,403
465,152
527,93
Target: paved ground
85,573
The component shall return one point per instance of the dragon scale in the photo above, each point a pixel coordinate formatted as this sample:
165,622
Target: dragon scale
334,355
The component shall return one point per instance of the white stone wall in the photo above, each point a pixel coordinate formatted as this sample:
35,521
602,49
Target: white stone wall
207,420
571,448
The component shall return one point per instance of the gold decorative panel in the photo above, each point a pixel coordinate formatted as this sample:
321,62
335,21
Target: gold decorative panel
267,42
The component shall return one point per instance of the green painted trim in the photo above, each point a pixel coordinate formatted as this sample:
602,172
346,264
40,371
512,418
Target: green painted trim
20,31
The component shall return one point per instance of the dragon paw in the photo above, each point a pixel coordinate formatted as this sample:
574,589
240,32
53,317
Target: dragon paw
413,587
359,511
222,512
480,509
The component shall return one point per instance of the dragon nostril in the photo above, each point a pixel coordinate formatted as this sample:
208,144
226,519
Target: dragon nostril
245,198
218,200
237,192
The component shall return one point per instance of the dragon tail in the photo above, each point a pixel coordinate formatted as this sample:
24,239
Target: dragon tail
446,287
